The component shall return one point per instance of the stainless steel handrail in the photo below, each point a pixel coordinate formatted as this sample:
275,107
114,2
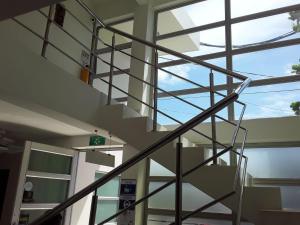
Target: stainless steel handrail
161,48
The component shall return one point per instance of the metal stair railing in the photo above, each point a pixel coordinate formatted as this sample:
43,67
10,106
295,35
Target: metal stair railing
142,155
190,125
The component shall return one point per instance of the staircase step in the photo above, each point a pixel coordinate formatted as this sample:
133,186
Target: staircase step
279,217
259,198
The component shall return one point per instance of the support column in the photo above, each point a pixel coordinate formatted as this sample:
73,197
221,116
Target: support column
229,66
143,28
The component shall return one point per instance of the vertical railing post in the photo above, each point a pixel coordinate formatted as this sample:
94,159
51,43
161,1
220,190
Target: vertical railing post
112,57
178,197
155,83
213,118
93,57
93,210
47,30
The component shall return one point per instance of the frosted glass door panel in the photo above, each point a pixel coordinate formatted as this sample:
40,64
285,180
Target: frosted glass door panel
49,190
49,163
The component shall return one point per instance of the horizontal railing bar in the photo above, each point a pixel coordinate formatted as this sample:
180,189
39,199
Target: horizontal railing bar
106,74
78,20
67,32
161,48
119,47
89,11
85,26
51,44
137,158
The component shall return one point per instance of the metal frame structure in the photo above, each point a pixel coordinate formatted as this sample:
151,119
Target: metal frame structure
228,53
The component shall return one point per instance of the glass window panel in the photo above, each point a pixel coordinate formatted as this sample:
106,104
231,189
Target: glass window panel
273,162
276,62
110,189
290,197
245,7
183,111
270,100
48,190
195,73
169,82
261,31
49,162
106,209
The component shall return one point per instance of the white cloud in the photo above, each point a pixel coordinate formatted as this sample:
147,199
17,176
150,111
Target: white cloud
274,105
243,33
288,68
165,78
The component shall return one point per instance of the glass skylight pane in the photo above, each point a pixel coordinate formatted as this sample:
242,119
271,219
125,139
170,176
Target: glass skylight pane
246,7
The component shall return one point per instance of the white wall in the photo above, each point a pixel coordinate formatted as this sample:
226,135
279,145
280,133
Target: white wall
13,32
260,131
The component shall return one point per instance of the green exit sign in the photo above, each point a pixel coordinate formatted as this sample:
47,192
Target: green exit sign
97,140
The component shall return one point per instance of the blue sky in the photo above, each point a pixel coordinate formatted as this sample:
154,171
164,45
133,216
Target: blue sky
275,62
